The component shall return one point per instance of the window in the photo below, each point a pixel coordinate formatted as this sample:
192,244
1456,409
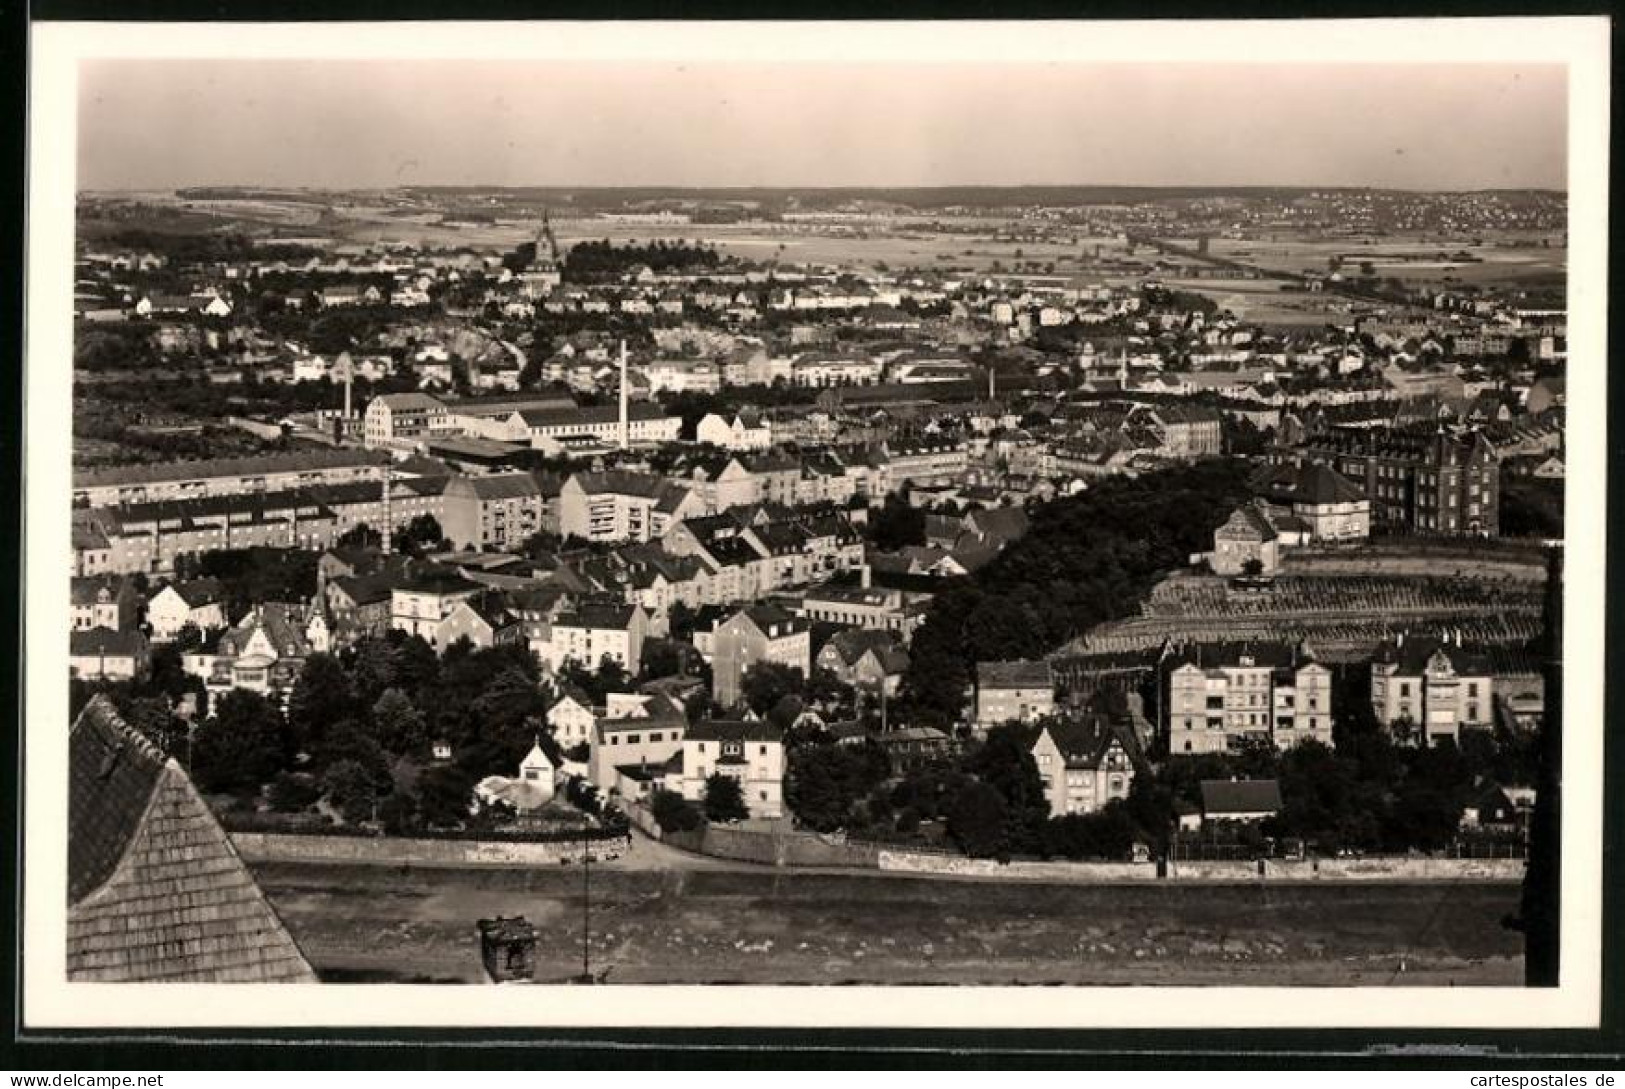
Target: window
761,750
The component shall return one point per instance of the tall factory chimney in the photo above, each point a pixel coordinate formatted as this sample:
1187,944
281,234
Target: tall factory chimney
388,531
625,429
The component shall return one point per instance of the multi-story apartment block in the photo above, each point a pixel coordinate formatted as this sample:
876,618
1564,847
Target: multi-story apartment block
148,536
865,607
1188,432
499,510
1423,480
754,634
174,480
591,632
616,505
1221,696
925,459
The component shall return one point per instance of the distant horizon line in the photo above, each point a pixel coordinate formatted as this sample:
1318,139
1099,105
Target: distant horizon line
931,187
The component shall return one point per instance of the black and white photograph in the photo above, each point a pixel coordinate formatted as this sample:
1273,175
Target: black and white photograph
915,525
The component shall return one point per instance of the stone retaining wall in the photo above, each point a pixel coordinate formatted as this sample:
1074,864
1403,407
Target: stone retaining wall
393,851
957,866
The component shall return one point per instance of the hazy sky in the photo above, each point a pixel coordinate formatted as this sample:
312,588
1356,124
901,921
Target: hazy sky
161,124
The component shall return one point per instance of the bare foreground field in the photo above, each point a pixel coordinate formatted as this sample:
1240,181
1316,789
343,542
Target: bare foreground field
380,924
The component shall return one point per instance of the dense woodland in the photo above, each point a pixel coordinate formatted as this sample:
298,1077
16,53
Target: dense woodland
606,262
1086,559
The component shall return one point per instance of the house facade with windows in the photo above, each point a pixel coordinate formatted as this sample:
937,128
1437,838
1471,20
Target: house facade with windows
1437,686
750,752
1221,696
1083,763
1017,691
755,634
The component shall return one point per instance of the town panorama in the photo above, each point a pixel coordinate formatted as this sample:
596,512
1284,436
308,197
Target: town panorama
1064,584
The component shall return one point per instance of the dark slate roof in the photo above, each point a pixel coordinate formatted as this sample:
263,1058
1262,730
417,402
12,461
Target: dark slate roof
1413,653
853,643
1008,523
1221,796
773,621
199,592
1019,674
735,730
1083,740
156,891
98,642
1223,655
300,461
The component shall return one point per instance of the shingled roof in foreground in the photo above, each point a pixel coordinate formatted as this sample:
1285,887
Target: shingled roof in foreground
156,891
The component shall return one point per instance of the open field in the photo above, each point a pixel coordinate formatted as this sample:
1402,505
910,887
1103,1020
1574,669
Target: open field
1410,259
1264,302
774,926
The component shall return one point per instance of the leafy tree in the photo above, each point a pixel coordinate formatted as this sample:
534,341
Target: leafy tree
399,813
360,535
242,746
371,665
420,534
674,813
1005,762
661,658
680,619
445,796
152,717
400,726
321,696
978,820
351,789
293,791
724,800
824,782
766,683
509,715
351,741
1107,834
417,668
897,524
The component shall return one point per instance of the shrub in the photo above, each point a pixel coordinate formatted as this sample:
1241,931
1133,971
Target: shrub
293,791
674,813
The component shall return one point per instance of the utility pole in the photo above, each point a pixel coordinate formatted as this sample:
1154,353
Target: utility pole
586,912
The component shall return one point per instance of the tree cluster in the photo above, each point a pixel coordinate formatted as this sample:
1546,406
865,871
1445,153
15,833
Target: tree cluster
604,261
1086,559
